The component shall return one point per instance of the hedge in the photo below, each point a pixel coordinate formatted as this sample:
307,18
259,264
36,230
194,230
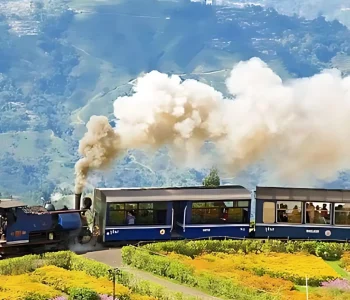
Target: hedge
326,250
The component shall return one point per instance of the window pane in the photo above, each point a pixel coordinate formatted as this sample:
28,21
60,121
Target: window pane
116,206
116,218
228,204
145,205
160,205
243,203
130,206
205,216
317,213
342,214
198,204
220,215
144,217
269,212
289,211
236,215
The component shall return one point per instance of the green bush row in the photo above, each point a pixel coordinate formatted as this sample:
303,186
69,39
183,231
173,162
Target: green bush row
166,267
71,261
328,251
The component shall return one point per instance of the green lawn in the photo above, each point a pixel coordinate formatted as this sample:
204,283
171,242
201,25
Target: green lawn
336,267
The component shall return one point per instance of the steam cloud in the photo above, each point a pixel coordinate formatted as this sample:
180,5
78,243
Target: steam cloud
299,129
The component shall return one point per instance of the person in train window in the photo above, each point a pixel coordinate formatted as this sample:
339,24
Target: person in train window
307,213
130,218
224,214
311,212
284,217
324,211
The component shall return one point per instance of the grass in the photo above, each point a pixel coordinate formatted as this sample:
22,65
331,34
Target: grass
336,267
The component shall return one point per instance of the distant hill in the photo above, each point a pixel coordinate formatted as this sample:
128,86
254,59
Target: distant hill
63,61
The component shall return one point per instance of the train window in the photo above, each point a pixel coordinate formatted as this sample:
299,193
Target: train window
243,203
116,217
342,214
219,212
137,213
289,211
317,213
130,206
269,212
145,205
116,206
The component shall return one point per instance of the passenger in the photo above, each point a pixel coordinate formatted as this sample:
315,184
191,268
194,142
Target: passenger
317,214
307,213
224,214
284,217
3,229
295,210
324,211
130,218
311,212
296,214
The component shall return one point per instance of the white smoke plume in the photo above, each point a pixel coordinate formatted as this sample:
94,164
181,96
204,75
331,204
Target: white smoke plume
299,129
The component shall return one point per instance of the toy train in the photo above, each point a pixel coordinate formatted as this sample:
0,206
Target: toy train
130,215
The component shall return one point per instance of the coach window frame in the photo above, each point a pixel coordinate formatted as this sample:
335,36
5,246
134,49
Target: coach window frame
279,202
137,209
235,204
334,207
331,218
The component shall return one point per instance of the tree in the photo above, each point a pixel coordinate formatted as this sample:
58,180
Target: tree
213,179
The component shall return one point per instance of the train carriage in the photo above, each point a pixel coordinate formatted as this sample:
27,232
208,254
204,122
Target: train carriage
302,213
148,214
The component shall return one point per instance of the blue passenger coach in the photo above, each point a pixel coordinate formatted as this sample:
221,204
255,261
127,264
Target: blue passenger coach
148,214
302,213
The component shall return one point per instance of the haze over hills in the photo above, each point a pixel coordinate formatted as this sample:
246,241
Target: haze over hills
63,61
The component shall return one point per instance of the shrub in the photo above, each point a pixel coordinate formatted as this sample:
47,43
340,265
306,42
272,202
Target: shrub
19,265
329,251
82,294
61,259
64,280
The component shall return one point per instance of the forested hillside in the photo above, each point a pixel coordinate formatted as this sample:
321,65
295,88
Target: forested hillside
63,61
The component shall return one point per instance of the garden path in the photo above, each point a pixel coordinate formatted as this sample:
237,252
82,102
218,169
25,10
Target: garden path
113,258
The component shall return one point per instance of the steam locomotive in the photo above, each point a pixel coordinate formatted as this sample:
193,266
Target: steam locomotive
39,229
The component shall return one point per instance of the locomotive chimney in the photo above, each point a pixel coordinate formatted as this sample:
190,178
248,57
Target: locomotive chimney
77,201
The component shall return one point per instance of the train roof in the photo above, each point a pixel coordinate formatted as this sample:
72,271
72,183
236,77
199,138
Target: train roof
9,203
194,193
302,194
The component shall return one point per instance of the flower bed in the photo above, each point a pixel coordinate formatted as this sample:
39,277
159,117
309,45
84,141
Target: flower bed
243,269
34,277
345,261
291,267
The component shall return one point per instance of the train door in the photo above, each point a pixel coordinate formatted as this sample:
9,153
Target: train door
179,219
